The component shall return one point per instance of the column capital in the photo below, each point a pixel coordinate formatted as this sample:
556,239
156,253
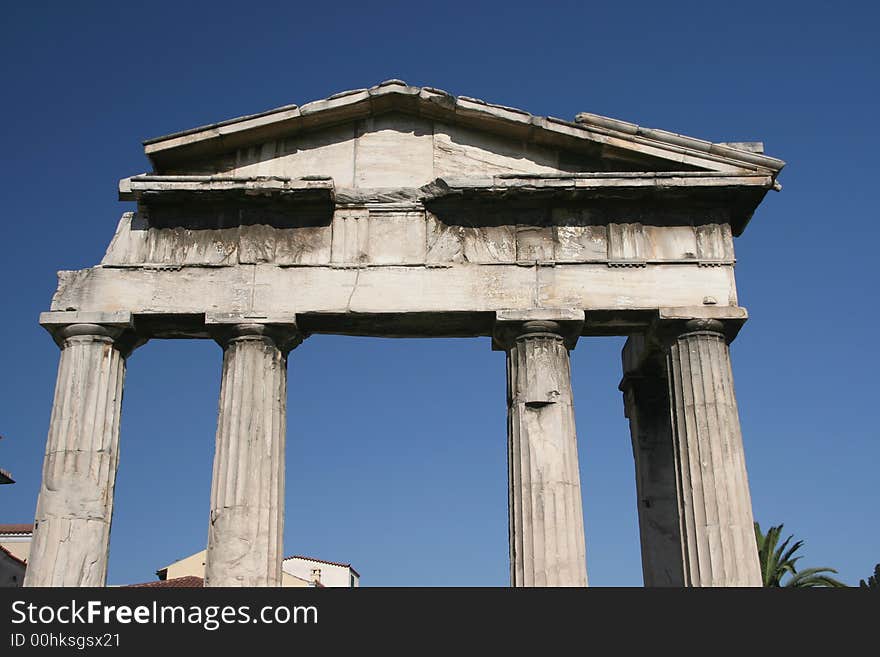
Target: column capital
228,328
510,325
116,328
672,323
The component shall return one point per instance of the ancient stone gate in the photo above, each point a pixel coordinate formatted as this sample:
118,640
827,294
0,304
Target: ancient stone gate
405,211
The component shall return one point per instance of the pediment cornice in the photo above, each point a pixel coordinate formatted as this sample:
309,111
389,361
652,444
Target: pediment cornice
605,137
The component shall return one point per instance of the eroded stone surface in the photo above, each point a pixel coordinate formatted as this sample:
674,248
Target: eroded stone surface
695,514
75,505
407,211
246,529
716,509
409,235
547,545
646,404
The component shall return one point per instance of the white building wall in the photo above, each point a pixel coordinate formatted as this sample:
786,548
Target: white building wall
331,575
17,544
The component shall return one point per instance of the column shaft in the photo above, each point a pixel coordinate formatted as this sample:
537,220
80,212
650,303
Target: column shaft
646,404
546,516
75,504
715,510
247,494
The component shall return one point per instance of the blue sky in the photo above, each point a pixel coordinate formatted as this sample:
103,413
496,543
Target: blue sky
396,457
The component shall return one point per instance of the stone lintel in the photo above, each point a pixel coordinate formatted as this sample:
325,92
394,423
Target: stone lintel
611,296
250,318
509,324
55,318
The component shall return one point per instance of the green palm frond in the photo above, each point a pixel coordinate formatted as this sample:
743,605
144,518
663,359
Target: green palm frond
778,561
787,557
814,577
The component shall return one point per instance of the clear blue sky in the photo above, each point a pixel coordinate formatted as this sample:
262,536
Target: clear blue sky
396,457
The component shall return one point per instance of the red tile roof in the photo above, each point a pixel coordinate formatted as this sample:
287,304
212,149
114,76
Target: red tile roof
331,563
187,582
17,529
12,556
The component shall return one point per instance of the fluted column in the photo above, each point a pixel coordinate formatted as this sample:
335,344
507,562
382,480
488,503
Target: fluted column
646,404
75,505
546,529
247,493
718,541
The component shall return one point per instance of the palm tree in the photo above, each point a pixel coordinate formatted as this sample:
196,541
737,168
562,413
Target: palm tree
873,580
779,561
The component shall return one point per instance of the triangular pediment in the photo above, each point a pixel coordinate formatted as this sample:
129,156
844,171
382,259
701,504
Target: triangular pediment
395,135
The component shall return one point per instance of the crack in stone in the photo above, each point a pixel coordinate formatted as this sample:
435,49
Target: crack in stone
354,287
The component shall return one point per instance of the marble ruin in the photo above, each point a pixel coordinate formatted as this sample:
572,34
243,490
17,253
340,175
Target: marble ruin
404,211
